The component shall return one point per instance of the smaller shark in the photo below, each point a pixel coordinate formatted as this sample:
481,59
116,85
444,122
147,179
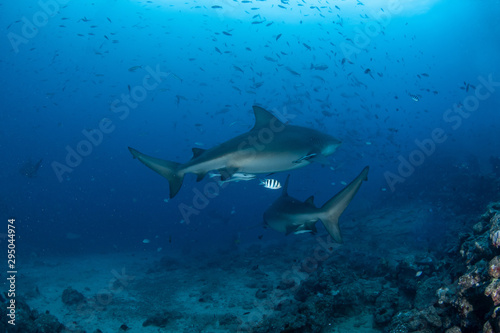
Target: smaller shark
289,215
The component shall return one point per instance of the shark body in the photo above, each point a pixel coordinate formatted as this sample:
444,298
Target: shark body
270,146
289,215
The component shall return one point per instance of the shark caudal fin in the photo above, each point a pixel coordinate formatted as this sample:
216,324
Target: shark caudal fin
167,169
333,208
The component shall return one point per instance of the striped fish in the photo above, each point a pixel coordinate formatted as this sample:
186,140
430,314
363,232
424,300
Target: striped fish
271,184
416,98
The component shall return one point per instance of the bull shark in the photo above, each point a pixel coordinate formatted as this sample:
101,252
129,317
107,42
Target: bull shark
289,215
269,147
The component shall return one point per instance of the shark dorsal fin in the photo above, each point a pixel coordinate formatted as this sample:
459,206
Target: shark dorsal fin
285,188
263,118
310,200
197,152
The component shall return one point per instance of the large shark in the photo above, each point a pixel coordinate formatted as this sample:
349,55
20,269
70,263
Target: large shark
270,146
290,215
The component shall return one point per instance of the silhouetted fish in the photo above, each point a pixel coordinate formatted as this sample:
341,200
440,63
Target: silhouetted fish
29,169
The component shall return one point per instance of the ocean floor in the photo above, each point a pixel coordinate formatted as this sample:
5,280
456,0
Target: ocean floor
305,283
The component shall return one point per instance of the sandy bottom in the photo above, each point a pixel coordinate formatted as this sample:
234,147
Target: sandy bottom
228,291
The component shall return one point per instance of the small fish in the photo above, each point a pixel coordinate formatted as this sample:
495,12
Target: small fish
146,241
271,184
292,71
134,68
414,97
238,176
175,76
237,68
320,67
369,72
278,37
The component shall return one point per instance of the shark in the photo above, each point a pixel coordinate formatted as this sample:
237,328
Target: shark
270,146
290,215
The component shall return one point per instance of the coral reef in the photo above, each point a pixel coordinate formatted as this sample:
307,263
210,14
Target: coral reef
71,296
30,321
471,302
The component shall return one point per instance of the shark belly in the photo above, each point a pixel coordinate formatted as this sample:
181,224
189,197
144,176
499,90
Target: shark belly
291,222
270,162
247,161
203,166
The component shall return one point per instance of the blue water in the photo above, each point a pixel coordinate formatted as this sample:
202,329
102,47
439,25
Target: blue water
317,62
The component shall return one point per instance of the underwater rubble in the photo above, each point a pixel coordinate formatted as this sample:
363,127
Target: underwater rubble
29,320
453,291
457,293
475,294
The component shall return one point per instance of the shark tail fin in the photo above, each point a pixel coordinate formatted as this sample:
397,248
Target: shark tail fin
333,208
168,169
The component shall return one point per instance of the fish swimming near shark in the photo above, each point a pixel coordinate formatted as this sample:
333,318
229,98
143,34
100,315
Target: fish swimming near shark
237,177
290,215
269,147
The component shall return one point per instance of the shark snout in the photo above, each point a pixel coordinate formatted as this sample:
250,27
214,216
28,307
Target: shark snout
330,148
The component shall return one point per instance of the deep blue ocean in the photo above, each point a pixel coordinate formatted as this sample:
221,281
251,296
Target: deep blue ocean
411,88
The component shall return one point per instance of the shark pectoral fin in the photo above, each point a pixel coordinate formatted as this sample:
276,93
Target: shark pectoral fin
311,226
199,177
290,229
167,169
227,173
333,208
